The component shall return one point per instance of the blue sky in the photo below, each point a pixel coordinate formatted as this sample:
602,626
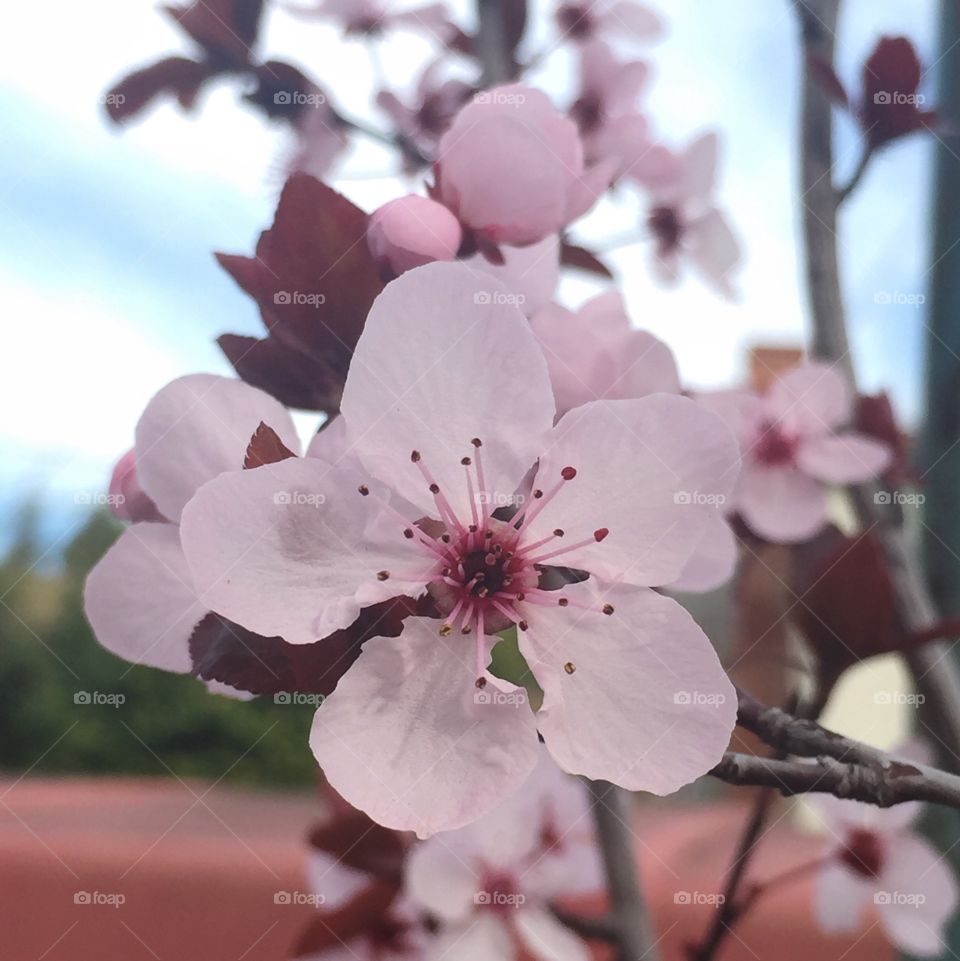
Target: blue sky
107,283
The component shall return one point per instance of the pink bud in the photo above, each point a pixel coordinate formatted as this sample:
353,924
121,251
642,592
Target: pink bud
412,231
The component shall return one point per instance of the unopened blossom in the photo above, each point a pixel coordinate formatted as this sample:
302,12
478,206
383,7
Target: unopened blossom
613,19
511,168
878,863
448,408
139,598
491,885
683,216
605,110
412,231
794,447
425,118
372,17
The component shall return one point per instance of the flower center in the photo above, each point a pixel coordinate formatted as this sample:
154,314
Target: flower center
774,447
863,853
666,227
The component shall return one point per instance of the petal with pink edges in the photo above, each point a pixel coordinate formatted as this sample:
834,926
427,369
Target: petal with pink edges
646,704
840,899
547,939
923,896
713,559
287,549
140,600
532,273
649,472
843,459
404,738
811,399
441,877
781,504
197,427
446,357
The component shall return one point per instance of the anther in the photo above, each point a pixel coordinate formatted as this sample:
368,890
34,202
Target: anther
434,488
408,533
490,559
415,456
466,461
600,534
537,494
363,489
477,442
607,609
563,601
473,528
481,683
446,630
383,575
445,538
569,667
568,473
557,532
523,625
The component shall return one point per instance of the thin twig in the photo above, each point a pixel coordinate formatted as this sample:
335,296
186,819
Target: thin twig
851,185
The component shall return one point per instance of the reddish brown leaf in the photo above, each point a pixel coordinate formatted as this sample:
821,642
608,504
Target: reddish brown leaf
265,447
224,651
226,29
891,106
175,76
359,843
282,91
582,259
874,417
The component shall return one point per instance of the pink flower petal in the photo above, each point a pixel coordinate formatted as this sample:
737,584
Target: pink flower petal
713,559
843,459
918,898
531,273
128,501
440,876
445,357
813,398
781,504
546,938
700,166
197,427
647,704
714,250
287,549
840,899
627,18
484,937
404,738
411,231
140,601
649,473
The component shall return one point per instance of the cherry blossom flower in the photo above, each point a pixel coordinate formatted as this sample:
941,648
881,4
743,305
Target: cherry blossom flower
412,231
448,407
139,598
371,17
425,119
491,884
683,216
792,450
605,110
511,168
876,857
613,18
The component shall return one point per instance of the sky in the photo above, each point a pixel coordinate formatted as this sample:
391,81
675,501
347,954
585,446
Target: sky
108,287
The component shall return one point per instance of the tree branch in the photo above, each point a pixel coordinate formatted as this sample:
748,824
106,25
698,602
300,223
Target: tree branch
629,920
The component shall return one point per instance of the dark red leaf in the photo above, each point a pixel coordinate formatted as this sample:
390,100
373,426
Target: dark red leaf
313,278
283,92
224,651
175,76
359,843
226,29
265,447
874,417
827,77
891,106
573,256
